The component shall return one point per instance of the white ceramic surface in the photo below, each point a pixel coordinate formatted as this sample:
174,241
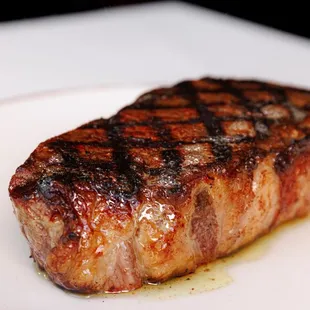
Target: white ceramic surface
279,279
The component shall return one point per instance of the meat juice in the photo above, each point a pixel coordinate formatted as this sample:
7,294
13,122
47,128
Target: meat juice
208,277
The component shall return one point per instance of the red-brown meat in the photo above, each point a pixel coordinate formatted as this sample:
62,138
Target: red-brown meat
182,176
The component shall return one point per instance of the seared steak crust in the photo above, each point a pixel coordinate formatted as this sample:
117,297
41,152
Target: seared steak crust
180,177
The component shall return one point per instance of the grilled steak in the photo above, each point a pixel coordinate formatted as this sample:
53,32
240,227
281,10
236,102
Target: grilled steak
184,175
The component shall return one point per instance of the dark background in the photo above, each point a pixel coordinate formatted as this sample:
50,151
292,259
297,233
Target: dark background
292,17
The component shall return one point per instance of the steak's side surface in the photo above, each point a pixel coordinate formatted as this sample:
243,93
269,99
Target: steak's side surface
182,176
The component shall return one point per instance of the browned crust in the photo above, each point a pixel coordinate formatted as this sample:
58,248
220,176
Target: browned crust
167,150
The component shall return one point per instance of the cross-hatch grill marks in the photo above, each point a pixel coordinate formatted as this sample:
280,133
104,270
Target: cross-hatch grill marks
203,122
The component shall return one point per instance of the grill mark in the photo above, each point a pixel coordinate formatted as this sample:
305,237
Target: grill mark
129,181
225,85
261,125
159,122
191,105
143,143
24,191
296,114
221,150
161,130
72,159
67,152
189,121
171,157
285,158
122,165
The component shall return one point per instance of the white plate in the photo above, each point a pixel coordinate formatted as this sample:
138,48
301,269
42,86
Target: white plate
279,278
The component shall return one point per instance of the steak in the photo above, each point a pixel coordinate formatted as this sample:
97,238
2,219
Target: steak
184,175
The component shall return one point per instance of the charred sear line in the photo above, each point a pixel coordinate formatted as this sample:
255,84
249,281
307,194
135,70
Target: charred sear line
220,149
67,152
162,131
261,124
25,191
212,123
285,158
71,158
154,121
57,188
147,143
295,114
171,157
128,180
